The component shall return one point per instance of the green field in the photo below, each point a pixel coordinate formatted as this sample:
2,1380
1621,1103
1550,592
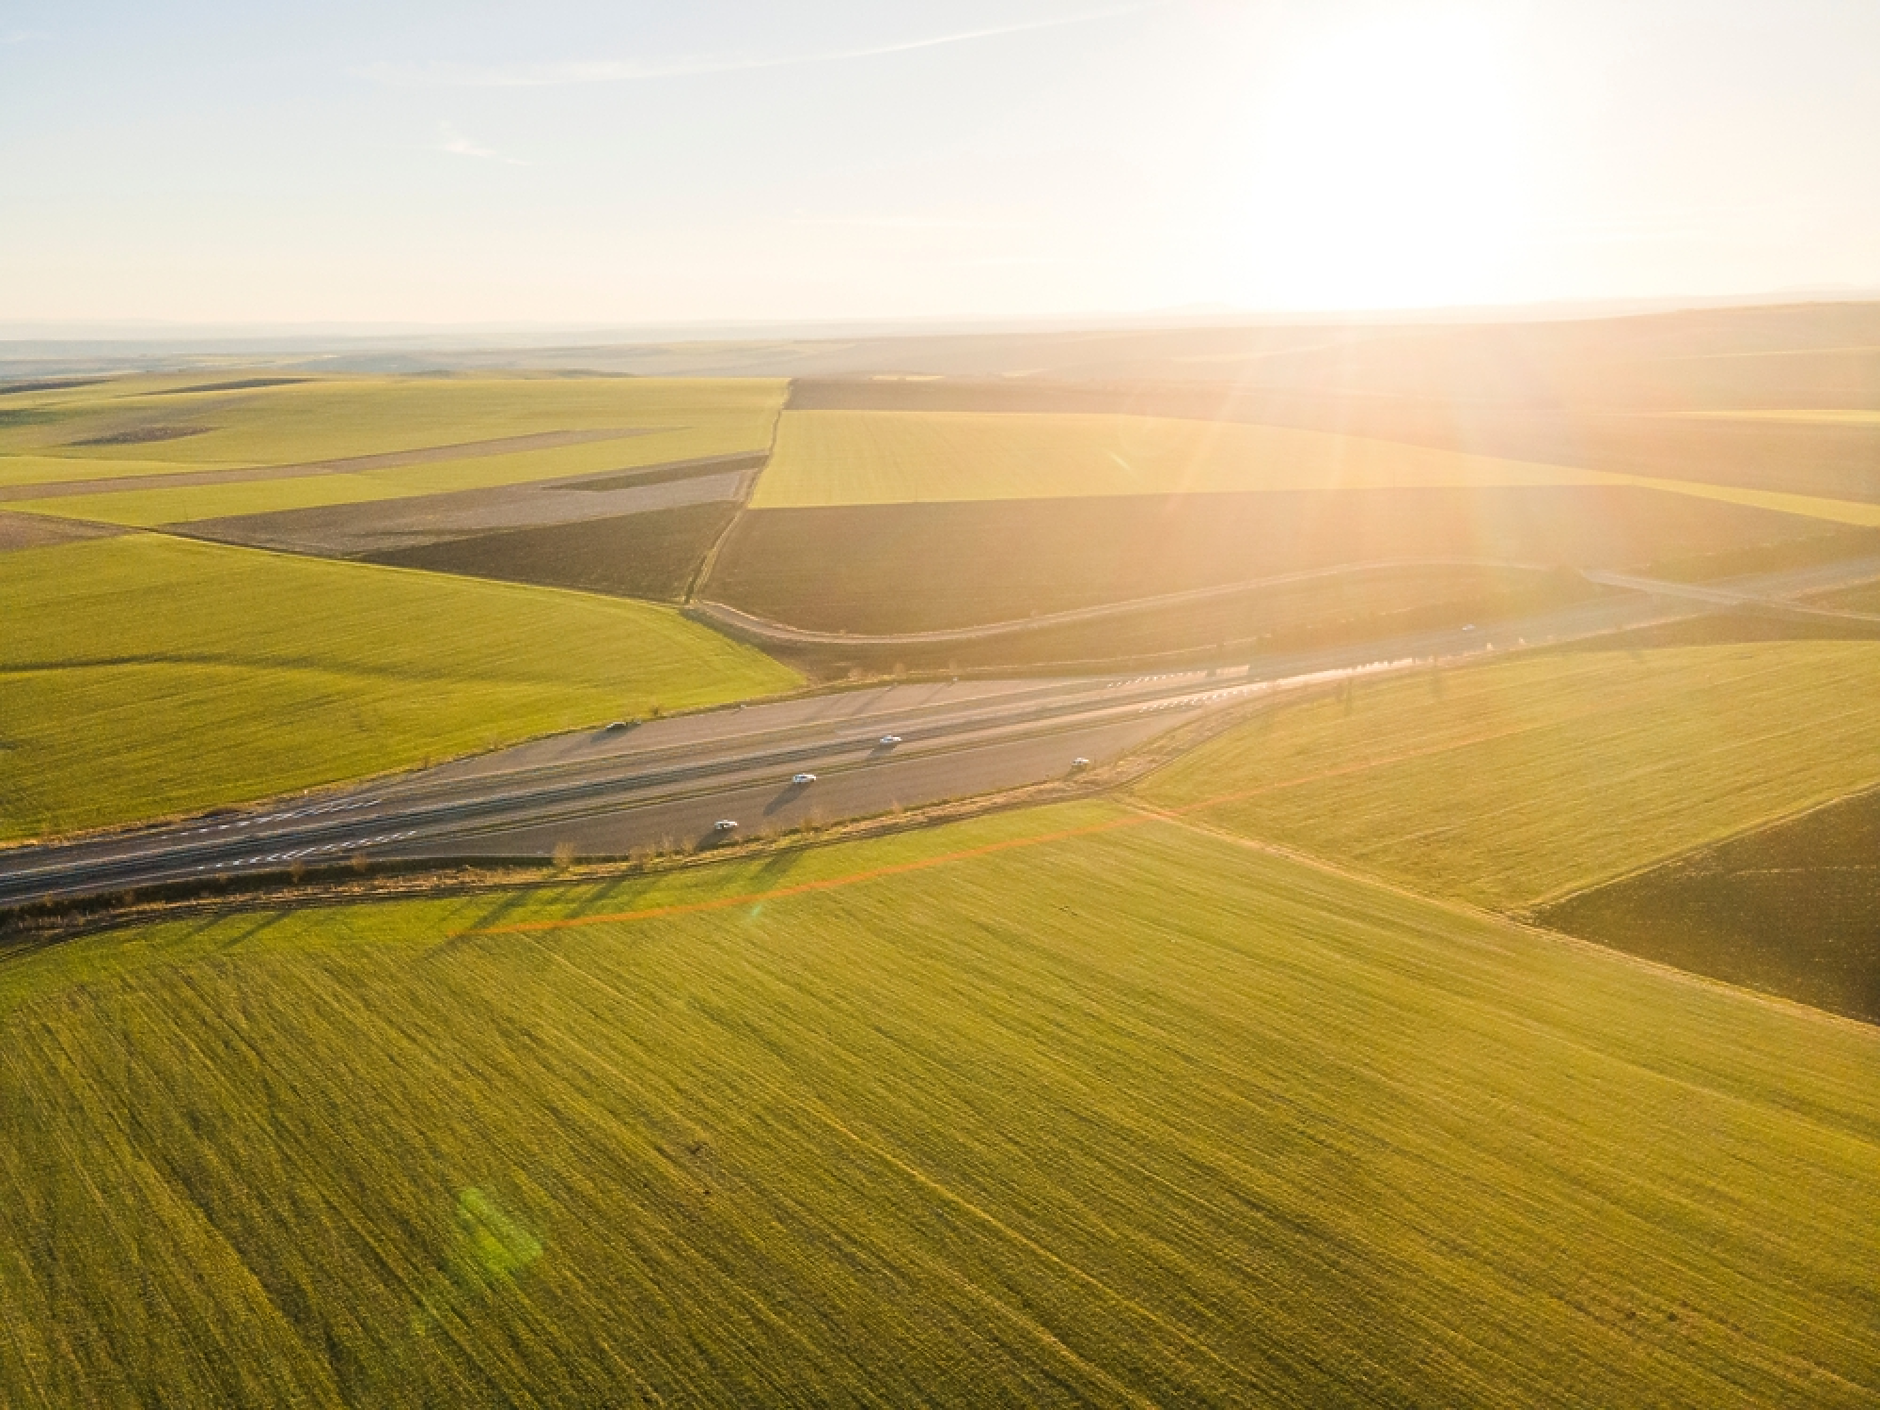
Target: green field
900,457
331,418
144,675
669,421
149,508
181,504
1130,1115
1509,783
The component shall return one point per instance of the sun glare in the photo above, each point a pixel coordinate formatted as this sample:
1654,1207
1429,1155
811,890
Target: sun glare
1387,170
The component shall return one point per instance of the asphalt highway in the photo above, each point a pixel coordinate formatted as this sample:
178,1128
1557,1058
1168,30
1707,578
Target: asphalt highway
666,783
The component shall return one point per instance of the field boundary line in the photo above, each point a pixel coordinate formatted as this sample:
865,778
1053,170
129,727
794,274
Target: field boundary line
742,499
1520,921
1750,829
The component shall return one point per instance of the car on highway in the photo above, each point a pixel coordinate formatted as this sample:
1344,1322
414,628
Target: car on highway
615,726
802,778
1080,762
890,740
725,825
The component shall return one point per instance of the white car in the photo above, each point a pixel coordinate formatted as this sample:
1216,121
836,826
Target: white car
802,778
725,825
890,740
1080,762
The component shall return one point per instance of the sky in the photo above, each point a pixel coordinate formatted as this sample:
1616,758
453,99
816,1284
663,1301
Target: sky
407,162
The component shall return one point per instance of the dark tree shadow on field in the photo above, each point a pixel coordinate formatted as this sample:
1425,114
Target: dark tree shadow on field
506,905
617,893
776,867
267,922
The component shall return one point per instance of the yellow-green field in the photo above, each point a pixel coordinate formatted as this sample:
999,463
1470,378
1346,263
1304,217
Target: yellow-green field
826,458
49,469
185,503
181,504
144,675
332,418
343,418
1125,1116
1509,783
901,457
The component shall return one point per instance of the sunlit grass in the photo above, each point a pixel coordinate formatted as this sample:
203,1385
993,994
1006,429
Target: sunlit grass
332,418
665,420
1507,783
142,675
1124,1115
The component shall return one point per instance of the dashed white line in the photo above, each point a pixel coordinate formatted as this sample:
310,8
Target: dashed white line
351,845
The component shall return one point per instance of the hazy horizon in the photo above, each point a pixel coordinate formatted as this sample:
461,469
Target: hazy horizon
585,165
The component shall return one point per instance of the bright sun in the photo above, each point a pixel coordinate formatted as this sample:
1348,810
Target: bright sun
1388,170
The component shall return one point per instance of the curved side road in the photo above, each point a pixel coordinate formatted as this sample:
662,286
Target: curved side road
1764,598
749,626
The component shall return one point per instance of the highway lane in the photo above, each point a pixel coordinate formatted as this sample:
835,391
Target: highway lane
764,804
573,775
665,782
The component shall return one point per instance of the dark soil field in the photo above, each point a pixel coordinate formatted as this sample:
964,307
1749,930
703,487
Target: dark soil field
239,384
653,554
386,526
34,530
668,474
923,567
1792,909
1361,606
144,435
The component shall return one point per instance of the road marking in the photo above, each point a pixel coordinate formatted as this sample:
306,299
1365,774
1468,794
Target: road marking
349,846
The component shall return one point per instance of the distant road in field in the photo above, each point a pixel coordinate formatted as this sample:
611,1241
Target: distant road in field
763,629
1775,592
667,782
